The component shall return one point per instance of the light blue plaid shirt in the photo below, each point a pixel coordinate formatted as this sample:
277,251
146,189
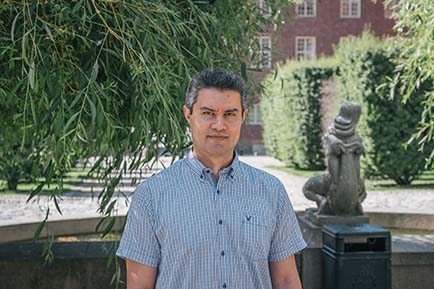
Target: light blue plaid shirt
202,233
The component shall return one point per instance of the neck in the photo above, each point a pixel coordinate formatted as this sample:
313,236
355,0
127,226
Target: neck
214,163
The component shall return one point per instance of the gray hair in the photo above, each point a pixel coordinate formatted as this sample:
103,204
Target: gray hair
218,78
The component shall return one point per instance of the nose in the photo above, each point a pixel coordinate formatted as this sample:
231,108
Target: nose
219,123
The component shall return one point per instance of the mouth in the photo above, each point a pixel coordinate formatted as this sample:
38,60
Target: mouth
217,137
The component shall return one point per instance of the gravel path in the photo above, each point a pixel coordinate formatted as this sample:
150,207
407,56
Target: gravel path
83,201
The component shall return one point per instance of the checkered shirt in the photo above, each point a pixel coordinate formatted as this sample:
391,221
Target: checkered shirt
202,233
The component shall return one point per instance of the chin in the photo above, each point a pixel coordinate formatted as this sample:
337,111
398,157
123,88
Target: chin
218,150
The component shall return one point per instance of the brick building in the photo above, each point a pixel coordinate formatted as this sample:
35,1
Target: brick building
311,29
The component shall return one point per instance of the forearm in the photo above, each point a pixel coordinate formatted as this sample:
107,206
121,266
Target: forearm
293,283
284,274
140,276
134,283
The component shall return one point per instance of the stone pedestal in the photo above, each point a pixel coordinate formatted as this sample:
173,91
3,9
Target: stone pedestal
311,227
311,272
321,220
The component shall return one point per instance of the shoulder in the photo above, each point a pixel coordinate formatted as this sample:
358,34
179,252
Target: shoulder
261,178
161,181
165,176
266,188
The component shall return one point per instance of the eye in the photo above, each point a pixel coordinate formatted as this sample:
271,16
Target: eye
230,114
207,114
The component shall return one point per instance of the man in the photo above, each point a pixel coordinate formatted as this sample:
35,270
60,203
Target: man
209,220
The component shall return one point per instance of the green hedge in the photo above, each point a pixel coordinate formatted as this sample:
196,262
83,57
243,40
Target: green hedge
291,109
386,124
291,112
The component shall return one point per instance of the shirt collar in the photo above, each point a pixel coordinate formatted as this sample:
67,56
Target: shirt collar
200,169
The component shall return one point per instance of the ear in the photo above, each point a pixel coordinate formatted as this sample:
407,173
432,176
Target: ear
187,114
245,113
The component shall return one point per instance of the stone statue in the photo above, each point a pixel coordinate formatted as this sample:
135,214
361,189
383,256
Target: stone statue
340,190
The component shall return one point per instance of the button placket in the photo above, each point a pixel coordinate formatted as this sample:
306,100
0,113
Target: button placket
222,233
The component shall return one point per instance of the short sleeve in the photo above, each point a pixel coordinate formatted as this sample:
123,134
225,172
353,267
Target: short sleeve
139,242
287,238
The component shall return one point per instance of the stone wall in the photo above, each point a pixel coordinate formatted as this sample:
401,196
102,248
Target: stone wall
76,265
83,265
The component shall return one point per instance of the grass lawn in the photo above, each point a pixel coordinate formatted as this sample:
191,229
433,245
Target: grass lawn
72,179
400,232
425,181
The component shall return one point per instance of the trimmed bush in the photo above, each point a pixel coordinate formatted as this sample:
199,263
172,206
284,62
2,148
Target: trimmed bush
386,124
290,108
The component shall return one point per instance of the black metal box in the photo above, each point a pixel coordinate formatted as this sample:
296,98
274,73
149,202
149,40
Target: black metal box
356,257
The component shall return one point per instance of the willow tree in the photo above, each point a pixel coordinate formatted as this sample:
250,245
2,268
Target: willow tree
415,70
107,78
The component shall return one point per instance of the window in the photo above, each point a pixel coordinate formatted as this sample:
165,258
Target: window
305,47
306,9
254,116
265,44
264,59
264,8
350,8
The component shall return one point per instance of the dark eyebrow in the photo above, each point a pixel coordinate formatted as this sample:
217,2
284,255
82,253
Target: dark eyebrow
232,110
226,111
206,108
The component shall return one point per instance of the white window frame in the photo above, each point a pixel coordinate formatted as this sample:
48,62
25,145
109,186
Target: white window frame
305,51
350,3
301,9
264,52
264,8
254,116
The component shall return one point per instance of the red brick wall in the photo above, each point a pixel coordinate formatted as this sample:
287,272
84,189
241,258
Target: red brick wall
251,134
328,27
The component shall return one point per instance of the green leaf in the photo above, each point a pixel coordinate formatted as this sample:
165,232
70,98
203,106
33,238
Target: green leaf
92,111
94,73
77,7
14,22
244,71
109,227
56,203
50,35
71,120
36,191
100,223
31,75
41,226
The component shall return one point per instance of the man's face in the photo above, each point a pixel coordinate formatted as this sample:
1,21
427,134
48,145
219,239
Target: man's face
215,122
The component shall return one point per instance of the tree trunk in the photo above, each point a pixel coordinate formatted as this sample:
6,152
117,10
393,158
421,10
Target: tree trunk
12,184
12,178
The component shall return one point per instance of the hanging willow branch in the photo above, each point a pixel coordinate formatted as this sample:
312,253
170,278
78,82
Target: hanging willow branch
106,79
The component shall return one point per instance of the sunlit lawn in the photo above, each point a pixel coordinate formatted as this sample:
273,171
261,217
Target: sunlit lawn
425,181
400,232
72,179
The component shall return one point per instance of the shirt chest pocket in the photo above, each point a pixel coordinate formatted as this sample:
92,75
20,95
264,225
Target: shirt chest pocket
255,235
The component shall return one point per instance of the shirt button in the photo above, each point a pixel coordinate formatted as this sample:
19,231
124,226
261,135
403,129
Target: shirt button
218,191
224,285
222,253
221,222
